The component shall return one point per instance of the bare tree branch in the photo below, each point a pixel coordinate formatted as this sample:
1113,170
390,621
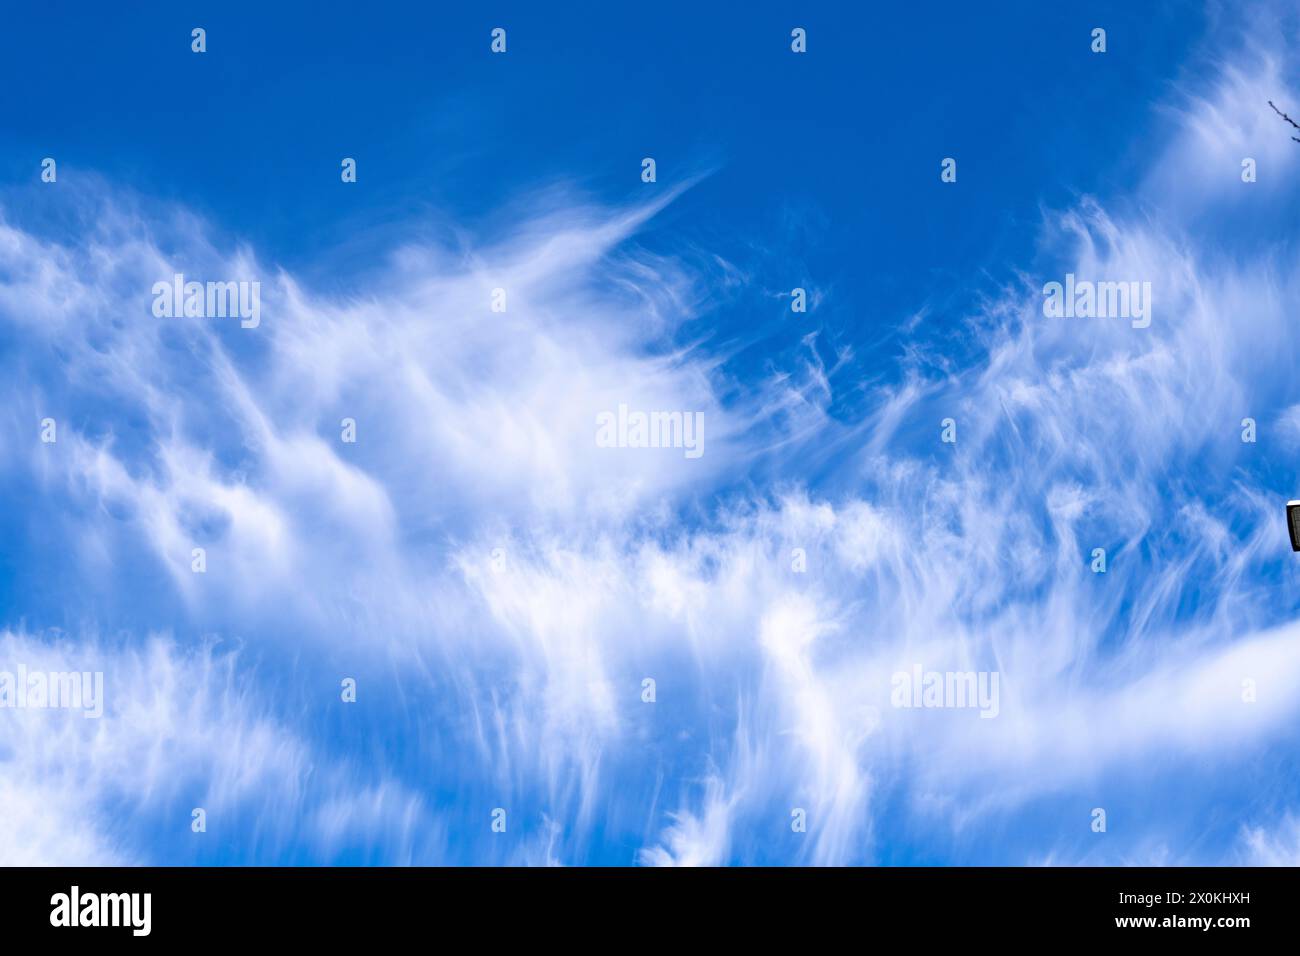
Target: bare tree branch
1287,118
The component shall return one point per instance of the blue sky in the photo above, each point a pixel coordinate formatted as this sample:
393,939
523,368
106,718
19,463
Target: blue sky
499,585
